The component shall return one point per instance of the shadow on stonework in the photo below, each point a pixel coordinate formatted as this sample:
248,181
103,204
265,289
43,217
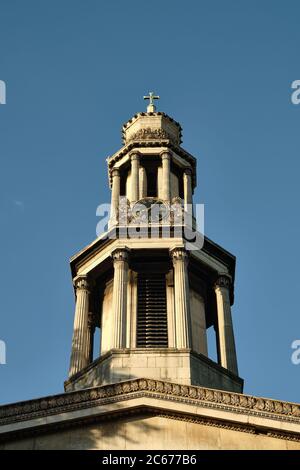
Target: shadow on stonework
133,432
120,430
95,376
117,431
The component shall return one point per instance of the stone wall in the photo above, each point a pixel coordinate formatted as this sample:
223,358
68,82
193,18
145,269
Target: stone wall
155,432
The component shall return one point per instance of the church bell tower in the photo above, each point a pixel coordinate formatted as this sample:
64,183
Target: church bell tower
145,283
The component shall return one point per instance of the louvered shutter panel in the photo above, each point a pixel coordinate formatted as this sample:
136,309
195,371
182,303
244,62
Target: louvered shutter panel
152,330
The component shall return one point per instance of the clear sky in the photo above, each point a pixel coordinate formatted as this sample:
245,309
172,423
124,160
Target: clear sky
75,72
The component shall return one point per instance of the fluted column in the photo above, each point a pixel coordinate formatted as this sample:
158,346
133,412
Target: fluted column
80,343
135,166
166,160
182,300
119,302
225,327
187,187
115,194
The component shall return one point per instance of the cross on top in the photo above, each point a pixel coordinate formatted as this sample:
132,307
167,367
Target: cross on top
151,97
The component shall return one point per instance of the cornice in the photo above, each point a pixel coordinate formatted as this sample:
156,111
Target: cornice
210,248
204,397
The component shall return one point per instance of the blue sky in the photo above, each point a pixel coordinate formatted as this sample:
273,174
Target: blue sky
75,71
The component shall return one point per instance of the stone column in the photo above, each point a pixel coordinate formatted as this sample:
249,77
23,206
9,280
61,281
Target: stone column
187,187
135,165
182,300
142,183
80,343
115,194
171,309
217,341
166,160
225,327
91,332
119,302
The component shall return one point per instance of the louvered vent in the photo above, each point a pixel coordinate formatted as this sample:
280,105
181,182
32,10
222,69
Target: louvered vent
152,330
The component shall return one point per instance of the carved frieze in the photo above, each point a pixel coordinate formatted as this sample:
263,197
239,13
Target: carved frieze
151,210
149,133
143,387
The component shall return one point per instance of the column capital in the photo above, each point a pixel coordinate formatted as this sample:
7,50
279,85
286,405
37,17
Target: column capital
81,282
134,156
115,172
188,171
178,253
165,155
120,254
224,280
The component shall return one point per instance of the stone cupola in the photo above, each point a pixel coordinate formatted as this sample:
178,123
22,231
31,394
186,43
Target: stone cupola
152,298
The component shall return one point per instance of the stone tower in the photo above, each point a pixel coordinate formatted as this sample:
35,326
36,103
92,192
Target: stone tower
153,286
145,283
